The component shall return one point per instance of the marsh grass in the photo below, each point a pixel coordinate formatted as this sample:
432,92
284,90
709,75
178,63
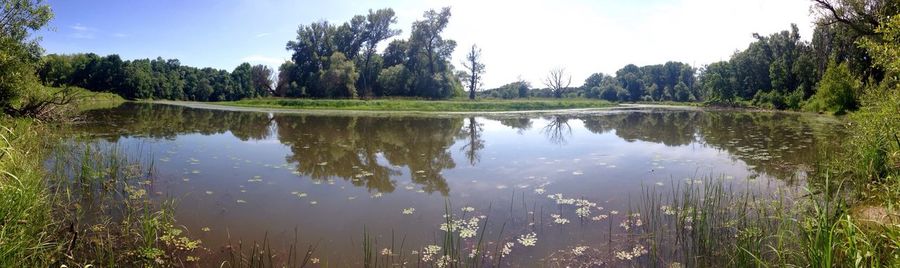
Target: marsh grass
74,204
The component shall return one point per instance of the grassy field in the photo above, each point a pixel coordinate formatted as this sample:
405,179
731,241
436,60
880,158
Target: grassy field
419,105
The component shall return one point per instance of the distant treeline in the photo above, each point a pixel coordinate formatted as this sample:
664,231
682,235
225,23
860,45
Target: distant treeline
341,61
777,71
155,79
673,81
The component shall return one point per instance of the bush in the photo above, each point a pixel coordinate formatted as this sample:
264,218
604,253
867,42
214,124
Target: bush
837,90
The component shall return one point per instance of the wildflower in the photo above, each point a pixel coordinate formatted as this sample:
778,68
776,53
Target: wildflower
507,248
429,251
468,209
559,219
539,190
443,261
614,212
473,253
667,210
241,201
583,212
408,211
600,217
579,250
386,252
314,260
205,229
528,240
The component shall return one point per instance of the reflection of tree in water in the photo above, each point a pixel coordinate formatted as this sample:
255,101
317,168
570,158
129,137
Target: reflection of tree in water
322,147
520,124
471,134
350,148
673,128
557,129
775,144
169,121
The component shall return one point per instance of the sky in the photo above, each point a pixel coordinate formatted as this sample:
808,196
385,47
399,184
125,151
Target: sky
519,38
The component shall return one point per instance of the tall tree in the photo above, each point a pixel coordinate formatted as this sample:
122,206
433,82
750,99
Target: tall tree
19,54
262,78
557,80
377,29
475,70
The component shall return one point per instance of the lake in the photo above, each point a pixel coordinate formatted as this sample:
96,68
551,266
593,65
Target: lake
557,186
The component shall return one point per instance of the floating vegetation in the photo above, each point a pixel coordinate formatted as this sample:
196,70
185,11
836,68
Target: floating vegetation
528,240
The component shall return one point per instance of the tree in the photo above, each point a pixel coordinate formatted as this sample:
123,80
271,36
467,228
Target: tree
837,90
718,84
557,80
18,53
377,29
339,79
429,55
262,78
475,69
631,79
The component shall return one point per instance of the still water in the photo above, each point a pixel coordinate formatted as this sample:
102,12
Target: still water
243,176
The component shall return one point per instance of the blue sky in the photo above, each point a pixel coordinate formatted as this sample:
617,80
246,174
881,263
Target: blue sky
519,38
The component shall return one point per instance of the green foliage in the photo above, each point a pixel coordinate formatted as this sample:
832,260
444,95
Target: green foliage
837,90
154,79
718,81
339,79
418,67
18,52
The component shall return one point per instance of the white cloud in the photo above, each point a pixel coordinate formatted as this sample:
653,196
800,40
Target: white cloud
272,61
82,32
260,35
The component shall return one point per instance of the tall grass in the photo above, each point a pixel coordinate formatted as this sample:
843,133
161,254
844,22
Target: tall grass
77,204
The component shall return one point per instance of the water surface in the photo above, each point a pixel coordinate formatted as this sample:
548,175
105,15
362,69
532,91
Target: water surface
245,175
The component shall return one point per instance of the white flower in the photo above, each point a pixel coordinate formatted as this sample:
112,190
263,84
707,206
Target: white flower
539,191
314,260
507,248
386,252
429,251
667,210
528,240
558,219
409,211
599,217
468,209
583,212
579,250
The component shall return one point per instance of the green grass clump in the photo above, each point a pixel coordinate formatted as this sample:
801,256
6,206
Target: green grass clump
26,233
418,105
64,202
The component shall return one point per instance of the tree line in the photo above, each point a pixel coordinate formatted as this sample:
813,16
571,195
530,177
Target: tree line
155,79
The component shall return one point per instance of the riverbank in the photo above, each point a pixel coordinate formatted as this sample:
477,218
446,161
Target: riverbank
417,105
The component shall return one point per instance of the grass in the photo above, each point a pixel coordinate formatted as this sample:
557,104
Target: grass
418,105
65,202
